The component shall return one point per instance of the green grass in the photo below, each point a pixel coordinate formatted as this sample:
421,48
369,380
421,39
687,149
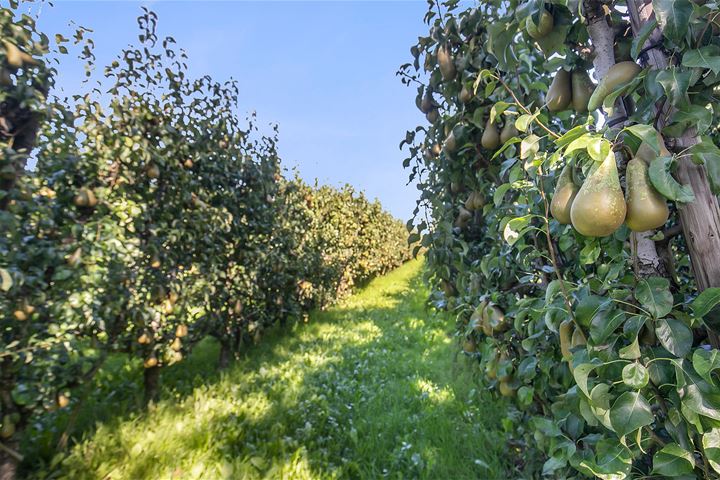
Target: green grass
372,388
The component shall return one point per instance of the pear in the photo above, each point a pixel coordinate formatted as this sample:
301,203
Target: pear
155,261
85,197
143,339
436,149
646,208
559,95
582,89
508,131
617,75
152,171
62,401
176,345
469,345
565,332
463,218
506,389
433,115
427,103
150,362
446,62
188,163
450,145
181,331
542,28
490,137
465,95
8,427
599,207
565,192
475,201
646,153
493,320
20,315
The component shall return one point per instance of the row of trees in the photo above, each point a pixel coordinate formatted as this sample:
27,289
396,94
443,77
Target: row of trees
153,218
580,255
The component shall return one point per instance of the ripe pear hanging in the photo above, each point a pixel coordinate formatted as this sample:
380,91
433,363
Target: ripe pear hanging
509,131
490,137
543,26
565,192
646,153
446,62
646,208
599,207
582,89
559,95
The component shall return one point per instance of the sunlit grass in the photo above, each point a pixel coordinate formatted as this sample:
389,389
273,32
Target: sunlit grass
372,388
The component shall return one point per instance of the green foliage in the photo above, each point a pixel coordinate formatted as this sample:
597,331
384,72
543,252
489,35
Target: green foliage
636,393
153,218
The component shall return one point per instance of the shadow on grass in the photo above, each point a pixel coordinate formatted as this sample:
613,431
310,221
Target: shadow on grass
369,389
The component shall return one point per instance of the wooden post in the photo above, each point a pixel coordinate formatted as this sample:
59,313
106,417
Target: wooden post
700,219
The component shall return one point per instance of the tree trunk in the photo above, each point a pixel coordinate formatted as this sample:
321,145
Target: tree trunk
225,355
151,379
700,219
9,458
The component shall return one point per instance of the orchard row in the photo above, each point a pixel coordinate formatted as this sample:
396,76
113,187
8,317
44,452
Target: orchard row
152,218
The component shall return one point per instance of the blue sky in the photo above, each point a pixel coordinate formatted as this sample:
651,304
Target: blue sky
323,71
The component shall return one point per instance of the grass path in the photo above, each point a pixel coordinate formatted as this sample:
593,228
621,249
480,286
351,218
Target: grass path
369,389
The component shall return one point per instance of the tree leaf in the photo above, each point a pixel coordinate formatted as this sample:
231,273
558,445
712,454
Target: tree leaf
673,461
706,301
635,375
697,116
642,36
673,16
659,173
581,373
704,57
675,83
630,412
646,134
711,445
604,323
674,336
705,361
654,296
706,152
529,146
500,44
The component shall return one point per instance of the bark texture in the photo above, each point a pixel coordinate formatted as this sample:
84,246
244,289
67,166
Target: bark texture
700,219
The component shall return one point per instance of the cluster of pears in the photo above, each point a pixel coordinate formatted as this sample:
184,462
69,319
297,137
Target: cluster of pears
598,208
567,89
24,311
85,198
499,367
492,138
571,337
489,319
